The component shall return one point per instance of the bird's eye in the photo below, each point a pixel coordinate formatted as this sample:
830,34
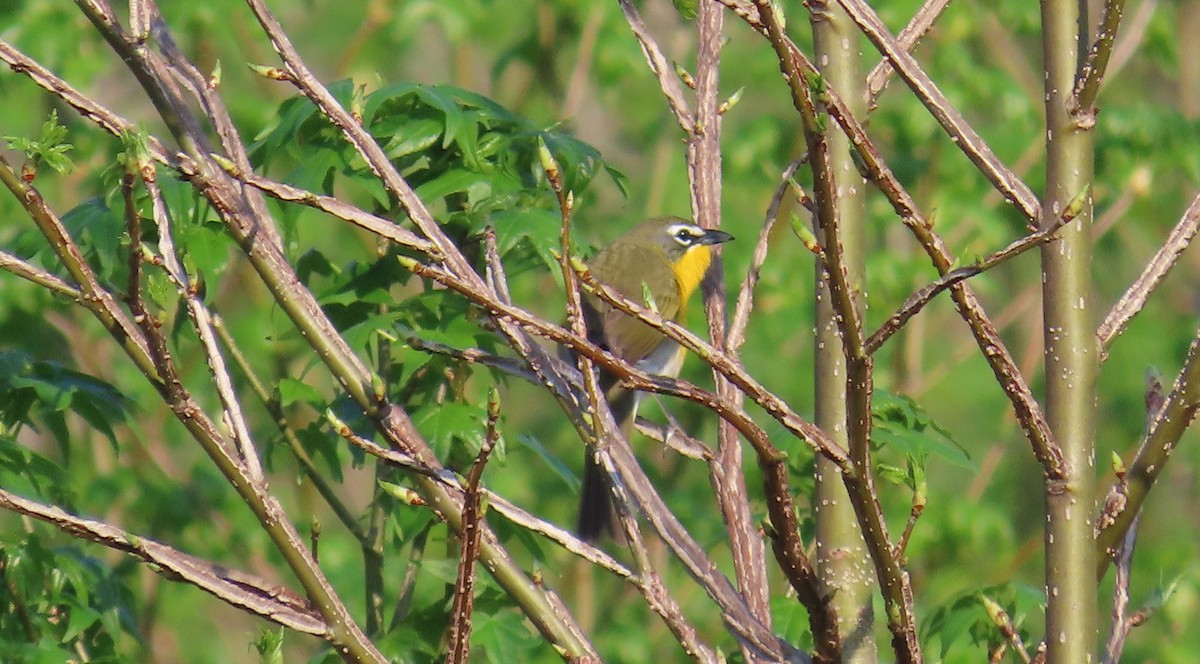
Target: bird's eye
683,236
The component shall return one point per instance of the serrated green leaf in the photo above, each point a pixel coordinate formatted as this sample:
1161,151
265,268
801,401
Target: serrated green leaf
901,424
444,423
503,636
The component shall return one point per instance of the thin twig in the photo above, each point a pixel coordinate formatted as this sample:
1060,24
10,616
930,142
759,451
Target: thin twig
37,275
385,228
671,87
1087,81
464,586
1134,298
727,474
1128,493
1122,621
921,23
914,513
674,437
275,603
506,365
924,295
651,584
275,410
1130,41
1007,627
202,322
961,132
745,299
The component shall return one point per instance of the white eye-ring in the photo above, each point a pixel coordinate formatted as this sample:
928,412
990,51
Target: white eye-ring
684,234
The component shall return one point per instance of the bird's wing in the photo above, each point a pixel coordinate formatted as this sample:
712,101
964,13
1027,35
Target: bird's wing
624,335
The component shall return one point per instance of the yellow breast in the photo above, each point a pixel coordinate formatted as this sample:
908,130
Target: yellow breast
690,269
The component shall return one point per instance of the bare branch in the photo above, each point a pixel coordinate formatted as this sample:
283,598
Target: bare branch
727,475
1152,275
202,322
1122,621
385,228
961,133
464,587
37,275
1091,75
745,299
1028,411
921,23
671,87
273,407
275,603
647,583
919,299
1127,495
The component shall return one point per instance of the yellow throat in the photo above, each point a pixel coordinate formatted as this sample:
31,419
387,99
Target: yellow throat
689,270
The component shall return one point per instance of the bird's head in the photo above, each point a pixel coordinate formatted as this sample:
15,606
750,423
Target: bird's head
686,246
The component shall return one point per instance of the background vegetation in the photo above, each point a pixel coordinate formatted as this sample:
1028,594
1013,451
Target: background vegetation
458,93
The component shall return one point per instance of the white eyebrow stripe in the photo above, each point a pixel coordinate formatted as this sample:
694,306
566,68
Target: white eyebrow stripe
691,229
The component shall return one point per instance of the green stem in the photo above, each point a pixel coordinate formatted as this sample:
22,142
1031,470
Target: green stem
843,563
1071,351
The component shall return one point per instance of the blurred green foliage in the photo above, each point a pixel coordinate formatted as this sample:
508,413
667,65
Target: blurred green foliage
459,92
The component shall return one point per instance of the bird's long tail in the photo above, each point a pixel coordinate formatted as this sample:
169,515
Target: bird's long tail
598,517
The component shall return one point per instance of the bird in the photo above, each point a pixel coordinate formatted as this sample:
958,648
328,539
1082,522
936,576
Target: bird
661,262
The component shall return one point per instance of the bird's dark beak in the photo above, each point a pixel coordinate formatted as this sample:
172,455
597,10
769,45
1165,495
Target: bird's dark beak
715,237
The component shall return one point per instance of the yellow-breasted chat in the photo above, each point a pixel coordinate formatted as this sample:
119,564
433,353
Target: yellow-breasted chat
666,257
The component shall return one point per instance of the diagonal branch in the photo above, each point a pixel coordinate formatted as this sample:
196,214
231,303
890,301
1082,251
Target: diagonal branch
1152,275
961,133
1127,495
917,301
1091,75
671,87
275,603
1028,412
921,23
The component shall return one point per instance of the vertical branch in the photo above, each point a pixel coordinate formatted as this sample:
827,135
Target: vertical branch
464,587
704,169
841,368
1071,350
1122,621
896,587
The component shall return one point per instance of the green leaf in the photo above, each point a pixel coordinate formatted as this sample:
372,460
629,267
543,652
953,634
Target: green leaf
444,423
414,136
49,148
686,8
561,470
538,230
269,645
503,636
902,425
292,391
80,618
475,185
99,232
